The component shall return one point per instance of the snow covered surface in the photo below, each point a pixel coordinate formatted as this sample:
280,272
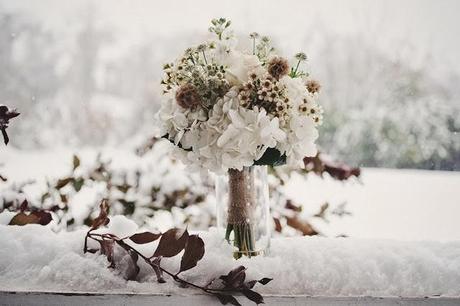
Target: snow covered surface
389,204
36,259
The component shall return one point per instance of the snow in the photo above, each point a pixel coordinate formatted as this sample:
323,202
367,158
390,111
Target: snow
388,204
34,258
399,205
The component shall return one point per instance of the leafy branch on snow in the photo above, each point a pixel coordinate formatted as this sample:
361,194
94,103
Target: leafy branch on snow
171,243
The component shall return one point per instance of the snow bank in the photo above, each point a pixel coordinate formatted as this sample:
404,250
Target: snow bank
34,258
419,205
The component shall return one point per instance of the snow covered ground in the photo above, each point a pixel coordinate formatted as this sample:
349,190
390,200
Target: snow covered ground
388,204
405,240
37,259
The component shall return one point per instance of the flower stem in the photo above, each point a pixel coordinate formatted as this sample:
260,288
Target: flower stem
204,56
296,68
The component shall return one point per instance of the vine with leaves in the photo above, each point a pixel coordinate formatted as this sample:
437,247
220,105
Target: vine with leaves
171,243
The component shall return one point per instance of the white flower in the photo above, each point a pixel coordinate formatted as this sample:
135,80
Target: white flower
295,90
251,132
301,140
240,66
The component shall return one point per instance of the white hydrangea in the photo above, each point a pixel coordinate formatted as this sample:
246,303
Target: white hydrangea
300,140
232,137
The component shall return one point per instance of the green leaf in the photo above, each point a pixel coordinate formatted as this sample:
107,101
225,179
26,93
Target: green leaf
78,183
271,157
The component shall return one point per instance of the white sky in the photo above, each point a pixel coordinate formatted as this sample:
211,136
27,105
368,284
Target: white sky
429,25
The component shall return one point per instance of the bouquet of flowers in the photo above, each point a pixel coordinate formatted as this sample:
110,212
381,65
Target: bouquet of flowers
227,109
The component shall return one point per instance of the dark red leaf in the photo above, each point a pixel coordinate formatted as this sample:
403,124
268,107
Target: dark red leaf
235,278
144,237
253,296
194,251
24,206
227,299
171,243
250,284
102,219
44,217
5,115
265,280
6,139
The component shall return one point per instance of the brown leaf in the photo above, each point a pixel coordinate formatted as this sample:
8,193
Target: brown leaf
278,226
321,164
23,219
194,251
292,206
171,243
102,219
75,162
144,237
302,226
63,182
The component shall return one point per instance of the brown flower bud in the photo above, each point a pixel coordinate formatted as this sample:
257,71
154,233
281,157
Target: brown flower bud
278,67
313,86
187,96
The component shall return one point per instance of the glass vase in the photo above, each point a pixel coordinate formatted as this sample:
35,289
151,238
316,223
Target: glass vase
243,210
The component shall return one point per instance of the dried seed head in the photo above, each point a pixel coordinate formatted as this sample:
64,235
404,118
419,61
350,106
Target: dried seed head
278,67
313,86
301,56
253,76
187,96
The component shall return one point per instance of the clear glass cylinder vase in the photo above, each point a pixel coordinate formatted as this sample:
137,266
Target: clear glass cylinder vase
243,210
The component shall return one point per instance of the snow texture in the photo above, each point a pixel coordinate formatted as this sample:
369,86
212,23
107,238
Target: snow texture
34,258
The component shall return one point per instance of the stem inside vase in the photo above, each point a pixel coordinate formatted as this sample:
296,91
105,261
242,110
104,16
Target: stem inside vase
241,206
